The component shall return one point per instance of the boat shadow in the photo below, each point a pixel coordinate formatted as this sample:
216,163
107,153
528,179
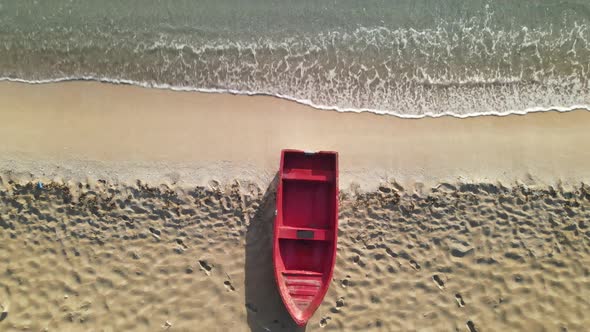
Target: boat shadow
265,309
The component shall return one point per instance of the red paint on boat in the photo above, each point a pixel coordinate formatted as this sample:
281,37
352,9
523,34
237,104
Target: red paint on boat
306,229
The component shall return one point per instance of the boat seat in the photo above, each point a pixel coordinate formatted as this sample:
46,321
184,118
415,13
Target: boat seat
302,273
304,174
299,233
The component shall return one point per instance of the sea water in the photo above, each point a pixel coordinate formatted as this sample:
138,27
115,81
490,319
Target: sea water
409,58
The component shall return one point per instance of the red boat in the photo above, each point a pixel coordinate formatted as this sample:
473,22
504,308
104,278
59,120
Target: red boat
306,229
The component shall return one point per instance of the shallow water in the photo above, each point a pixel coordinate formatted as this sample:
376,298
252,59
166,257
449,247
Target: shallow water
410,58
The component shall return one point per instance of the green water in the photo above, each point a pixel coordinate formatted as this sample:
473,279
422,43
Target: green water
408,58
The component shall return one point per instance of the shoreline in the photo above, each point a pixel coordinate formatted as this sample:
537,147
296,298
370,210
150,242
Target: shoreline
288,98
88,130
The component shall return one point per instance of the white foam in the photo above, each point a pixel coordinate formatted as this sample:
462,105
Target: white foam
556,108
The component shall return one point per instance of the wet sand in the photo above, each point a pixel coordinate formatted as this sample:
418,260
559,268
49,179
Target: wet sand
133,209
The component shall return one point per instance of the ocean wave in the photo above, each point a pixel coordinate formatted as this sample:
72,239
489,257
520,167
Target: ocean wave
465,67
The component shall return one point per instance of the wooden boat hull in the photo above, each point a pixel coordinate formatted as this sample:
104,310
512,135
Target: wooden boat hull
306,230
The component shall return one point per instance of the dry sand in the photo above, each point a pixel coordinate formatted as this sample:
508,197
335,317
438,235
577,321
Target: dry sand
131,258
130,209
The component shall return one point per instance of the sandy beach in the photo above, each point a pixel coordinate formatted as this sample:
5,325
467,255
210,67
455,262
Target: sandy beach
132,209
90,131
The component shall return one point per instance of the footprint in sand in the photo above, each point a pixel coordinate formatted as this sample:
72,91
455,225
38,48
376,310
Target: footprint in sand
357,260
339,304
438,281
228,285
181,243
4,312
206,267
155,233
345,282
471,326
459,300
415,265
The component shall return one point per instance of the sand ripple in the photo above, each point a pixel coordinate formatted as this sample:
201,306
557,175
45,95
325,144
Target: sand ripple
465,257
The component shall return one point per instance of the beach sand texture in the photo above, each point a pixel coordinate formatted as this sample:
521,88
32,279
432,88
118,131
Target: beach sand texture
465,257
131,209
